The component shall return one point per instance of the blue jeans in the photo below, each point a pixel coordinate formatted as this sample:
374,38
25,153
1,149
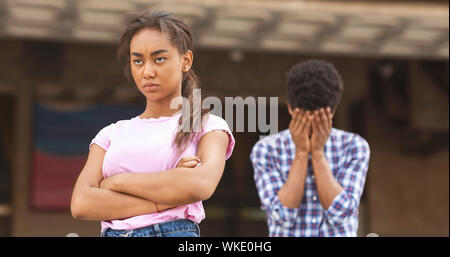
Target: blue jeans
175,228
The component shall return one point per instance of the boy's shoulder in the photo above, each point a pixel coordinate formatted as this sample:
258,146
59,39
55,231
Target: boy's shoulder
273,141
348,139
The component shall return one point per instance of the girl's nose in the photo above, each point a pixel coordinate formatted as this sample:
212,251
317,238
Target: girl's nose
149,71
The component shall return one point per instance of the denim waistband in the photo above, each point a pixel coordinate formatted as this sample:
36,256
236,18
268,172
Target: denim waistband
183,227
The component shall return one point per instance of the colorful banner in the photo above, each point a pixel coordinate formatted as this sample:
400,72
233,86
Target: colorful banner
61,141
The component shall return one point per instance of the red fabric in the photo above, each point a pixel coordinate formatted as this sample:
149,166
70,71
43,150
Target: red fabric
53,180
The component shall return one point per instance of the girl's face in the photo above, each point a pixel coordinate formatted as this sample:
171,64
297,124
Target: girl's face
156,65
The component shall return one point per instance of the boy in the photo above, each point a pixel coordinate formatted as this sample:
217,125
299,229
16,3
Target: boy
311,176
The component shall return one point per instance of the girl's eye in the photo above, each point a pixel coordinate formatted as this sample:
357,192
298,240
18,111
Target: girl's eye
160,59
137,61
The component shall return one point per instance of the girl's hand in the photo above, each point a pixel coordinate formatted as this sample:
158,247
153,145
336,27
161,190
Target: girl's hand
107,183
189,162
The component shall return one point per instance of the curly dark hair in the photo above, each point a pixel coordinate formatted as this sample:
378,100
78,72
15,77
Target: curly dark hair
314,84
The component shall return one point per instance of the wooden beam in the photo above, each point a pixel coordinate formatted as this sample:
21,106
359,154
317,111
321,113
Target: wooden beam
23,122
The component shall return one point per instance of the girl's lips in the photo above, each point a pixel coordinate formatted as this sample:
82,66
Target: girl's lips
150,85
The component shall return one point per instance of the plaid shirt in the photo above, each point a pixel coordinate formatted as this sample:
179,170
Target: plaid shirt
348,158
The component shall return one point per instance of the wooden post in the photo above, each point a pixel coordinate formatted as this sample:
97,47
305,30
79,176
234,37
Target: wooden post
23,122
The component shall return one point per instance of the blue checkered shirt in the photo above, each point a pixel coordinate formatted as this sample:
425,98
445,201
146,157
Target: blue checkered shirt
348,158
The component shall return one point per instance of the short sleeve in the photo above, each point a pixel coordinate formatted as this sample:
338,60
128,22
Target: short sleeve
103,137
213,122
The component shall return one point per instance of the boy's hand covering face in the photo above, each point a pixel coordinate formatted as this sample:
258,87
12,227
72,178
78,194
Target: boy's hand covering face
310,130
299,128
321,122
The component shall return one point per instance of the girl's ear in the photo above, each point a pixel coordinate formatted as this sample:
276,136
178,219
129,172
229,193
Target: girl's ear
187,60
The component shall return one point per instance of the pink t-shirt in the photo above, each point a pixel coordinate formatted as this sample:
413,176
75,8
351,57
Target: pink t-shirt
145,145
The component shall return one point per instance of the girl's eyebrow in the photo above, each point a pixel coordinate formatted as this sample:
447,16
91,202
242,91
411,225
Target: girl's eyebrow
137,54
152,54
160,51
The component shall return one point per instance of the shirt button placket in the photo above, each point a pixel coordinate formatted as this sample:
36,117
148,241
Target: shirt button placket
315,230
313,227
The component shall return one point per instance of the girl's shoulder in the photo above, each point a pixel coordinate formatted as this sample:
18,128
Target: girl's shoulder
212,119
117,125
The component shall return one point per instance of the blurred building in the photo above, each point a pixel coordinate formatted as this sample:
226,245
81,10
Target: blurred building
60,82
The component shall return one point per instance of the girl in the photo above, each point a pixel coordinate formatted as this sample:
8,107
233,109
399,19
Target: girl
147,176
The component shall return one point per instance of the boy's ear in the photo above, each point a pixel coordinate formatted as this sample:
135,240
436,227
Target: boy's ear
289,108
